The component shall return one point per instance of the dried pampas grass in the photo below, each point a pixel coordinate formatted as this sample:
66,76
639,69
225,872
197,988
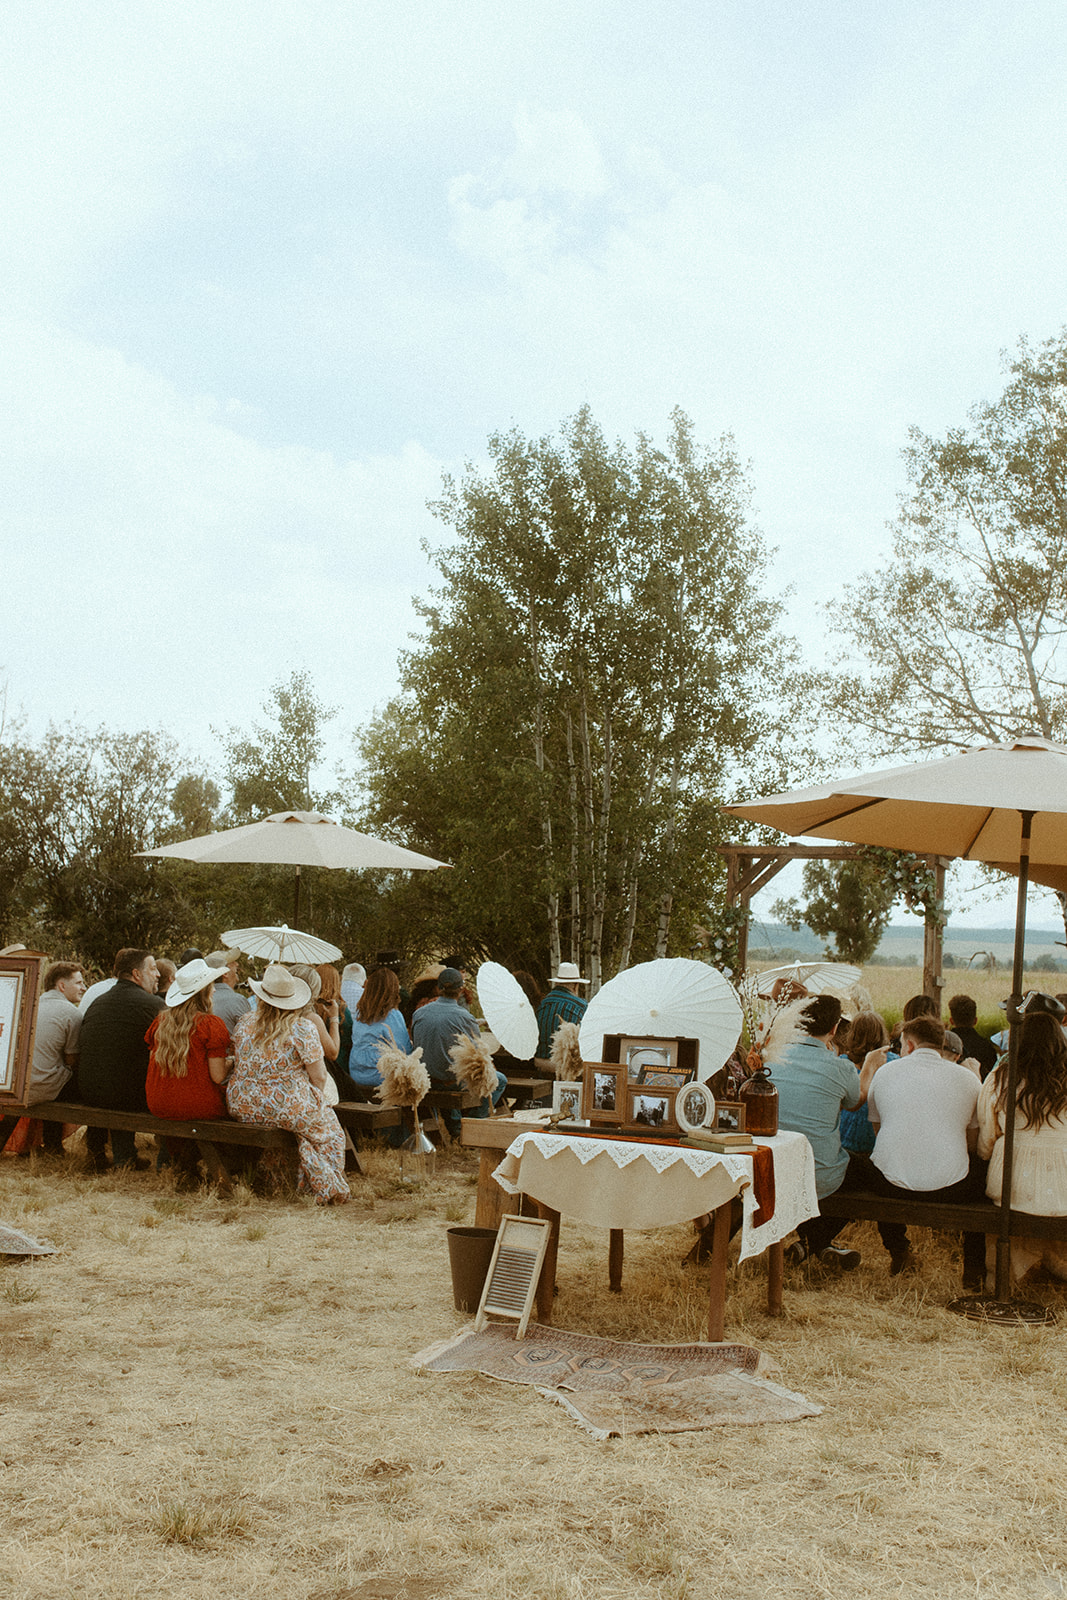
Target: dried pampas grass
783,1027
405,1081
566,1055
473,1066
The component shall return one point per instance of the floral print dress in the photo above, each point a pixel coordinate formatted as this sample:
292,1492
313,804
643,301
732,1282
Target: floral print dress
269,1086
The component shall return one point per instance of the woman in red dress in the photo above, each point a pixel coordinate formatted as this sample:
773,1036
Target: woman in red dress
187,1066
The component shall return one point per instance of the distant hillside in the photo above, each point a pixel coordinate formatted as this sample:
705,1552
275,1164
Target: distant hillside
962,941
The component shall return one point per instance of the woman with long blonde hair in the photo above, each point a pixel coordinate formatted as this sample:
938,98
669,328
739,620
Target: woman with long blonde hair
278,1080
187,1067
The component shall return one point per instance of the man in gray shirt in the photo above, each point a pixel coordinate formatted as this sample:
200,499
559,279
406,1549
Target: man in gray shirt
55,1042
226,1002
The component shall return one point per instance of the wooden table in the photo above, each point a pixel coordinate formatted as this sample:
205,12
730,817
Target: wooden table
493,1136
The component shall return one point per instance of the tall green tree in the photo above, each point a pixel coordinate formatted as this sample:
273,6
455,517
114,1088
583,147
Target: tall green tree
961,635
589,677
272,767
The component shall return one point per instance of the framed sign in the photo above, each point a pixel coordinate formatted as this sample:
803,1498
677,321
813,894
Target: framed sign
20,977
567,1100
643,1055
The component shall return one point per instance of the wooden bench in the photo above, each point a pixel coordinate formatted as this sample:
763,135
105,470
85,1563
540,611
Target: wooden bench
527,1091
858,1205
208,1133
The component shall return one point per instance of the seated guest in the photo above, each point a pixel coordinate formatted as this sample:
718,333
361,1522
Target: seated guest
167,973
1039,1157
225,1001
378,1021
814,1085
353,978
113,1055
55,1042
187,1047
963,1017
423,990
920,1005
329,1002
325,1019
868,1032
278,1080
921,1108
952,1050
562,1003
437,1027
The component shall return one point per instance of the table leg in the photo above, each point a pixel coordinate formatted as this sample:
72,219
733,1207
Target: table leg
615,1238
546,1286
775,1263
492,1201
717,1286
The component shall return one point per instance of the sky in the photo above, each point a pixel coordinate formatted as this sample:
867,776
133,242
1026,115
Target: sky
270,268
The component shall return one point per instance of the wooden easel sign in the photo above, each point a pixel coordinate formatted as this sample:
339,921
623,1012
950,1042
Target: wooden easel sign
20,976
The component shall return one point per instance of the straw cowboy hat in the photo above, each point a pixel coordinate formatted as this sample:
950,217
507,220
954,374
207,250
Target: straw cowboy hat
568,973
189,980
279,988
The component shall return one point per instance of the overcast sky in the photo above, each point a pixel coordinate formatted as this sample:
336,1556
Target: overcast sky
269,267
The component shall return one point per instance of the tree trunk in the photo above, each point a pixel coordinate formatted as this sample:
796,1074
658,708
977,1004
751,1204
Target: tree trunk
551,898
576,886
667,897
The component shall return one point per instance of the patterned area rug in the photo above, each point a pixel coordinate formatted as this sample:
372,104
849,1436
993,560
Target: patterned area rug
15,1243
615,1388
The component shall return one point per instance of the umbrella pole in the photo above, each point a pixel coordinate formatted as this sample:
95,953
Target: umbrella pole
1003,1284
296,901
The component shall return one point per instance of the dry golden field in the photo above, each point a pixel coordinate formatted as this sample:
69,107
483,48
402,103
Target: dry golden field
890,987
206,1398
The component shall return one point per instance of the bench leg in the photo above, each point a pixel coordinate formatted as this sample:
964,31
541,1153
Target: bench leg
615,1240
775,1265
717,1286
217,1169
350,1147
7,1128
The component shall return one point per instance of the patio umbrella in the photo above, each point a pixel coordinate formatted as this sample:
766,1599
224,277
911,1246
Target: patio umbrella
507,1010
817,976
297,839
280,944
666,999
1005,804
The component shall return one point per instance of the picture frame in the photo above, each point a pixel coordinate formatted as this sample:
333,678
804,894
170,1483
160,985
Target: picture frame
664,1077
694,1108
729,1116
20,978
651,1109
604,1092
567,1100
637,1054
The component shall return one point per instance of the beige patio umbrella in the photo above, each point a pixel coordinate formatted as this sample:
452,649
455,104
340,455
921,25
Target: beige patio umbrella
1002,804
297,839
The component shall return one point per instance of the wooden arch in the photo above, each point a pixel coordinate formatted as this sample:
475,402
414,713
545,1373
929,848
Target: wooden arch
750,868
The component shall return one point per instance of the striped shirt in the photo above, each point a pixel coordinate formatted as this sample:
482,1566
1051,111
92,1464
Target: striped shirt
559,1005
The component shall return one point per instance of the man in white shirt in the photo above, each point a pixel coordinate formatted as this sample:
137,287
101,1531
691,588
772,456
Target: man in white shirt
922,1109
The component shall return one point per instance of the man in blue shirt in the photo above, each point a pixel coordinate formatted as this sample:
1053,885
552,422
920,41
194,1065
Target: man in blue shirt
562,1003
436,1027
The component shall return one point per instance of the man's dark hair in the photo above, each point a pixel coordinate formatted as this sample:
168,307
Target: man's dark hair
59,971
192,954
925,1031
821,1015
127,962
963,1011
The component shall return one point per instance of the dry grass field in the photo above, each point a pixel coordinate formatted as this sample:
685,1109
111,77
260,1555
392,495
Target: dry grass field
890,987
206,1398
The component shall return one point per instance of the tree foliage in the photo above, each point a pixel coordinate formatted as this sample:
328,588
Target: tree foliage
589,677
962,634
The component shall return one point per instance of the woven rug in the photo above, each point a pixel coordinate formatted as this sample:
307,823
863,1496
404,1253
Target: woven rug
611,1388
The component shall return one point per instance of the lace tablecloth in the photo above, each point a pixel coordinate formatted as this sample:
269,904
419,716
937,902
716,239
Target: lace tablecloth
618,1185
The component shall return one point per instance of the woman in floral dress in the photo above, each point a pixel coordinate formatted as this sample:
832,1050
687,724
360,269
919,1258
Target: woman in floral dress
278,1078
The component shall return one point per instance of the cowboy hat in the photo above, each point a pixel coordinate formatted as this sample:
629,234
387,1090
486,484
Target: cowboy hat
189,980
568,973
280,989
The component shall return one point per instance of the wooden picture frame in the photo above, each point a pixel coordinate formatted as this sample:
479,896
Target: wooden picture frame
685,1052
604,1092
567,1100
639,1054
694,1108
651,1109
729,1116
20,978
664,1077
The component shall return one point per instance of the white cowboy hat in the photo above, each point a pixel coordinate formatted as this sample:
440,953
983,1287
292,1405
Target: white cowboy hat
568,973
189,980
279,988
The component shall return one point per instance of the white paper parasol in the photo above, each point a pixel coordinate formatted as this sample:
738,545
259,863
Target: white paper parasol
280,944
507,1010
818,977
671,998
